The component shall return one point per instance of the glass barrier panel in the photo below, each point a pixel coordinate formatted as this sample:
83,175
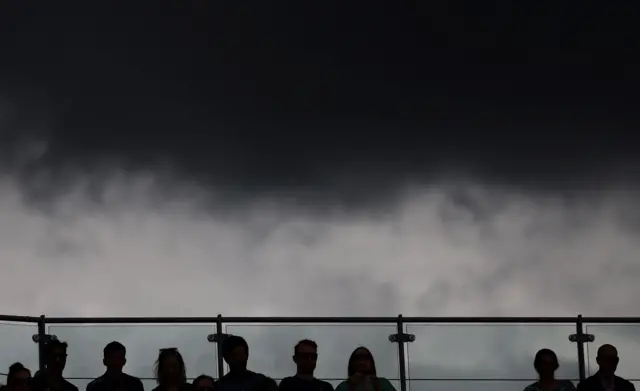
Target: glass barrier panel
467,385
16,345
625,337
271,347
487,351
143,342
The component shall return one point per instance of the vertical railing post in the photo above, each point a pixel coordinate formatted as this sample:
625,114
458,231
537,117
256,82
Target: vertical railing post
401,338
42,340
401,362
219,341
580,340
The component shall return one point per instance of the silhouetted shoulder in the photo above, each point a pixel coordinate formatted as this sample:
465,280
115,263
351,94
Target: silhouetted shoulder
344,386
267,384
562,385
68,386
324,385
286,383
592,383
135,382
624,384
385,384
92,384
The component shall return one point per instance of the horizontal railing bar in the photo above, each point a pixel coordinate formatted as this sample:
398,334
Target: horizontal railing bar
115,320
611,320
411,319
284,319
19,319
337,320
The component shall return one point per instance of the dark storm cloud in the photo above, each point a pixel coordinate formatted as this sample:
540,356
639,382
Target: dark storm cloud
272,96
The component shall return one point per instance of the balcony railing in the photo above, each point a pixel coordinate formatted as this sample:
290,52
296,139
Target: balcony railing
435,354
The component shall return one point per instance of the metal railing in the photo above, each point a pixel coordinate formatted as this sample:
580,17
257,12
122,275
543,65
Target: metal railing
400,332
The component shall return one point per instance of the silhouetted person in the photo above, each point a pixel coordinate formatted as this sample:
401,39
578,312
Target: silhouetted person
51,379
305,355
362,374
170,371
203,383
18,378
115,358
235,352
605,379
546,363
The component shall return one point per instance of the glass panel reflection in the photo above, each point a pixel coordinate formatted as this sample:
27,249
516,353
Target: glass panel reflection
271,347
625,338
142,341
16,345
486,351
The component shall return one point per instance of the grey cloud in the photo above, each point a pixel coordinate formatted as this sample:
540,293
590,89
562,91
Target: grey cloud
127,243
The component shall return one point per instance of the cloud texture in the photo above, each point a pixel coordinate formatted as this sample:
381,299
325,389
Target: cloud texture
119,242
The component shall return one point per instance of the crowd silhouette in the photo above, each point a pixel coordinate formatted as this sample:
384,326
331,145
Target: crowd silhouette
170,372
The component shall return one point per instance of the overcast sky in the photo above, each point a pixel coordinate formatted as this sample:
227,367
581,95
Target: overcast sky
290,160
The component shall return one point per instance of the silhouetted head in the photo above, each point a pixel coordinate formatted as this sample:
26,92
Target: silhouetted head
55,356
203,383
607,360
115,357
235,352
170,368
18,378
361,361
305,355
546,363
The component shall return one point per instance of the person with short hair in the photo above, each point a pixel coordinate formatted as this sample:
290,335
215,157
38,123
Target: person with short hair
605,379
203,383
51,379
114,358
235,352
305,356
18,378
546,363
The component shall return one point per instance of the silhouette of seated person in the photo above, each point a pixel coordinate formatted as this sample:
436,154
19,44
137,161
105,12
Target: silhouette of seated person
203,383
171,372
546,363
362,374
235,352
51,379
114,358
605,379
305,356
18,378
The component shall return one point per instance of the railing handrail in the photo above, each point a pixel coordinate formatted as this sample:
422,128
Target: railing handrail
311,319
316,319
